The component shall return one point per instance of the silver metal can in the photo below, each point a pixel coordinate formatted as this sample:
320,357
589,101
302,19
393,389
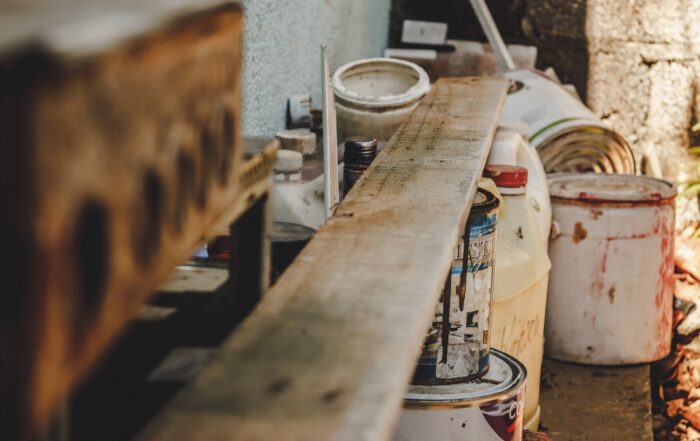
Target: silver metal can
611,285
485,409
457,345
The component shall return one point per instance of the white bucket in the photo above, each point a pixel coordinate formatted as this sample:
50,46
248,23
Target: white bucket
611,286
373,97
487,409
566,134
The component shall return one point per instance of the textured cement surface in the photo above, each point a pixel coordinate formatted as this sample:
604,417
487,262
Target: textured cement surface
589,403
282,51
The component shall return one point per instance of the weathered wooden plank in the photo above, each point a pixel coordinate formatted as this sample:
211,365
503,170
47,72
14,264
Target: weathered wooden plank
329,350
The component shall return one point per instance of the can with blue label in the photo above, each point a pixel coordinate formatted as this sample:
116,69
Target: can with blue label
457,345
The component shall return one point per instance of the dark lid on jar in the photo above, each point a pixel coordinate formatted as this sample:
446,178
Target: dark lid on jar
507,176
359,151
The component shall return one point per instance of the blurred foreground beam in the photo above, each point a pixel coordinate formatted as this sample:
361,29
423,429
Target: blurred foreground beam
119,136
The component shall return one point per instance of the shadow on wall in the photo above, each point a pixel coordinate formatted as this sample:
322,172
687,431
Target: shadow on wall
556,27
635,63
282,51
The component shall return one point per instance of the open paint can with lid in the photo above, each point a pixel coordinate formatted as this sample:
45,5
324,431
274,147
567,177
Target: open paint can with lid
485,409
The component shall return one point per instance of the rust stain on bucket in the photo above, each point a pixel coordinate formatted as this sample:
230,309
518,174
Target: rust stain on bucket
580,233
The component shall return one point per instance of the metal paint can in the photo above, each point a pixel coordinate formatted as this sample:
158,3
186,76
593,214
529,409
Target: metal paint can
457,345
611,284
567,135
486,409
359,153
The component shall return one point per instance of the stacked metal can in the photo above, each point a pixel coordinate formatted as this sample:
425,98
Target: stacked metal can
457,346
461,390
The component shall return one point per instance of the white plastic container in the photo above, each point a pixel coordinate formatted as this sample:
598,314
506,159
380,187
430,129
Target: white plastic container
488,409
566,134
520,282
373,97
611,286
511,148
293,200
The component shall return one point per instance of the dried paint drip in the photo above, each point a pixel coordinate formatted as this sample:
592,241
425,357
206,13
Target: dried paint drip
457,345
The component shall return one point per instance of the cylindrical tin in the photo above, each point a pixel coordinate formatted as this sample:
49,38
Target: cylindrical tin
567,135
611,284
360,151
487,409
288,240
457,345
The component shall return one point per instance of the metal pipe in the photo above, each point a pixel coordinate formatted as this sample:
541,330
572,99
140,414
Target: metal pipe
505,61
331,194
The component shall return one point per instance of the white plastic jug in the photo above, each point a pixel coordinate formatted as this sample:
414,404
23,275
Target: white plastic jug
510,148
521,274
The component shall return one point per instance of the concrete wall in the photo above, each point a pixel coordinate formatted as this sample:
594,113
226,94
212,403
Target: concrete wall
282,41
636,63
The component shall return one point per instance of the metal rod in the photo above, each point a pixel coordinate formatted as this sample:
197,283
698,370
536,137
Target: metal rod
505,61
331,194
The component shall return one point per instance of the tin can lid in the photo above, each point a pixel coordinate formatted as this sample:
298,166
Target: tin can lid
290,232
508,176
288,161
505,374
484,200
595,187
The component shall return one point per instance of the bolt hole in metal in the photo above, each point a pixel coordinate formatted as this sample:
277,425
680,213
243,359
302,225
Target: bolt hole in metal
185,184
207,163
146,239
90,259
227,139
515,86
216,139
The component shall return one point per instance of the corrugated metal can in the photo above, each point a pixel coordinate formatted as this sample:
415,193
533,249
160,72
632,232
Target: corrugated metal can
611,284
457,345
486,409
568,136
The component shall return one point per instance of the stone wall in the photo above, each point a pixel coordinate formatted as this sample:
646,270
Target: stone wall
635,61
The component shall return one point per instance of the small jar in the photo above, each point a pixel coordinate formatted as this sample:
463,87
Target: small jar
360,151
288,166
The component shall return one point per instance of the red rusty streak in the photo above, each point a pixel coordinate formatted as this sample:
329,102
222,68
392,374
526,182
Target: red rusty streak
664,292
599,275
589,200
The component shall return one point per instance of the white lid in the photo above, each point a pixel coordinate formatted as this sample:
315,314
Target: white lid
598,187
519,127
288,161
380,82
296,134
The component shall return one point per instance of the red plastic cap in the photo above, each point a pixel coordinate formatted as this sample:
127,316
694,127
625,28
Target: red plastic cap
508,176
